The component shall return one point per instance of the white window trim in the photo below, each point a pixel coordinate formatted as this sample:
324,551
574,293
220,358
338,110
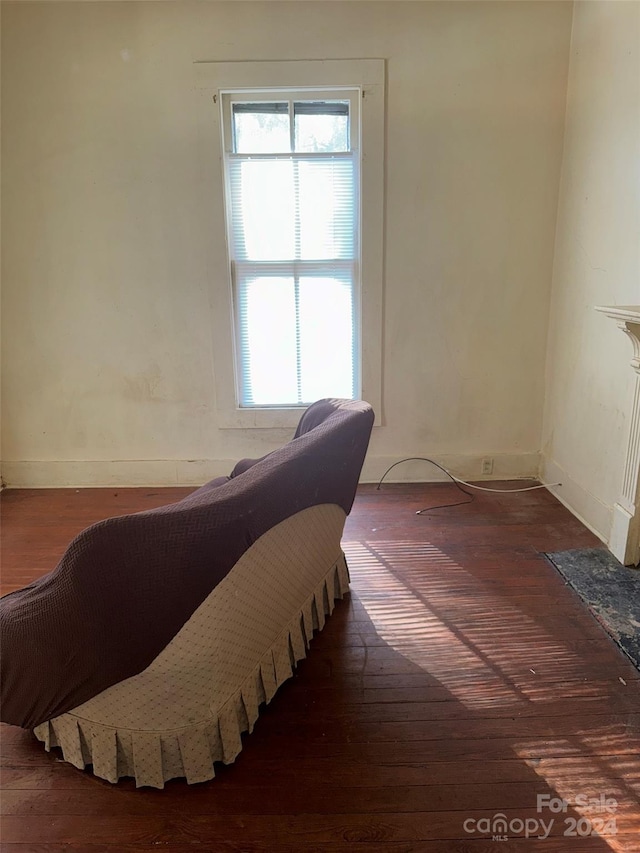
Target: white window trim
213,78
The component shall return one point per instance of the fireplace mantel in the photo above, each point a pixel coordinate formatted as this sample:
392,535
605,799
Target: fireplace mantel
627,318
625,529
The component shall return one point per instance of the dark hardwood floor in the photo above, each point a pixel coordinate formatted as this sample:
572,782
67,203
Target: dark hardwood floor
459,680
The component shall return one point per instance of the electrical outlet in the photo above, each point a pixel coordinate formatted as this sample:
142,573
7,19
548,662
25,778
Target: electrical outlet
487,465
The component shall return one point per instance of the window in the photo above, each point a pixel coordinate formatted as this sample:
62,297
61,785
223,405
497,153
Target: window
291,169
303,221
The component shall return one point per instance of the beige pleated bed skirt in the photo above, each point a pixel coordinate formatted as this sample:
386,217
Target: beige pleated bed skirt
189,708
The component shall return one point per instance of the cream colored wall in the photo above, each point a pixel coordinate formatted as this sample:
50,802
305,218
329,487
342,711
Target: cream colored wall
597,262
108,352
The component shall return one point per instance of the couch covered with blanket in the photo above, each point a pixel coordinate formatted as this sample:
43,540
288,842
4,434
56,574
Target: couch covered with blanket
148,650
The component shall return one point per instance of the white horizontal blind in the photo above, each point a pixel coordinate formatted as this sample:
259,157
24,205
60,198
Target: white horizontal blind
293,241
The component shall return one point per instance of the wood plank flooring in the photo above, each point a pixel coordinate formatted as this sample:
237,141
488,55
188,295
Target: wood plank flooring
461,678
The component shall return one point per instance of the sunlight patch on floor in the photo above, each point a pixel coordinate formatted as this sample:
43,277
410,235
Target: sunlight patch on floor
448,623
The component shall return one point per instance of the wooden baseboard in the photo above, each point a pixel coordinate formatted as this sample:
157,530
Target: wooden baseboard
194,472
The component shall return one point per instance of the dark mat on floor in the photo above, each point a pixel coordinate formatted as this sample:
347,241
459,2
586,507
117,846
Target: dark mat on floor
611,591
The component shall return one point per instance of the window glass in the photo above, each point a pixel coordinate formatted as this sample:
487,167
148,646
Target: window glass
261,128
296,339
321,126
264,127
326,208
326,338
267,309
263,201
293,206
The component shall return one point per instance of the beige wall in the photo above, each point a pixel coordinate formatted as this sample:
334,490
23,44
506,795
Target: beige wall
597,262
108,367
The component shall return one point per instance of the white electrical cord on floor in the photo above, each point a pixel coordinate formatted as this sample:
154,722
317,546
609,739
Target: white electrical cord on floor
458,481
505,491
